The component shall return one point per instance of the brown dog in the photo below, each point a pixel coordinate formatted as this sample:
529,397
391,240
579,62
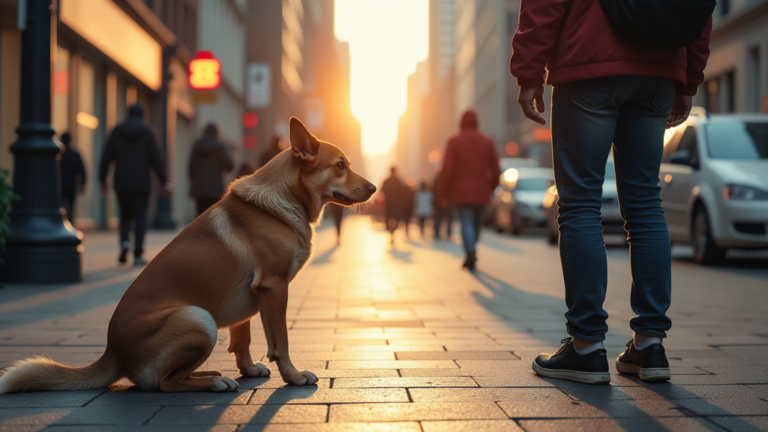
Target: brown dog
231,263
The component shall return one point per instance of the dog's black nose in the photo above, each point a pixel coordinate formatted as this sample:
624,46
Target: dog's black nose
371,188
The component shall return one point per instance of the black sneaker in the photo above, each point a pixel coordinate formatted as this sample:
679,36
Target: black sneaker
123,256
567,364
650,364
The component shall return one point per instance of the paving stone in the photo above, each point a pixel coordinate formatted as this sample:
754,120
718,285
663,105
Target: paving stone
425,395
471,426
457,372
491,364
740,374
139,398
390,348
273,381
416,411
48,399
742,423
142,428
241,414
622,424
457,355
410,382
349,355
672,391
308,395
517,380
87,415
393,364
760,388
725,407
336,427
355,373
582,409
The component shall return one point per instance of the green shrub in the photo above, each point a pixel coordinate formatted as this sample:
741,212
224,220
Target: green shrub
7,196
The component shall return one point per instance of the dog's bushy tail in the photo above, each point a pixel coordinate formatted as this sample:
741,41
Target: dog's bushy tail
42,373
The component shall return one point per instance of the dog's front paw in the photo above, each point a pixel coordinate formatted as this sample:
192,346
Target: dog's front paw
223,384
301,378
255,370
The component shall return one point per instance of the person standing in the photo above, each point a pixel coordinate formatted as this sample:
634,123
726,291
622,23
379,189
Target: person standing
609,94
209,161
393,202
133,149
469,176
72,175
424,204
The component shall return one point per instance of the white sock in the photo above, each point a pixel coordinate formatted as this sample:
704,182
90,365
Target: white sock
644,341
589,348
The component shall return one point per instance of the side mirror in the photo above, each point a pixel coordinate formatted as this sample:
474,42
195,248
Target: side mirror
681,157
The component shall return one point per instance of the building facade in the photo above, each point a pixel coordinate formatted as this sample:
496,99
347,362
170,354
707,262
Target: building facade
108,55
736,76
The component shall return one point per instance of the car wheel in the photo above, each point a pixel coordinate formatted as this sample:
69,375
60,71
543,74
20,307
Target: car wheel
705,251
552,232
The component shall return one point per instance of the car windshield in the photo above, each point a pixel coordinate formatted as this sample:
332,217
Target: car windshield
746,141
532,184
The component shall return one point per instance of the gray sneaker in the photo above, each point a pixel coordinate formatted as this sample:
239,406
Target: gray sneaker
139,262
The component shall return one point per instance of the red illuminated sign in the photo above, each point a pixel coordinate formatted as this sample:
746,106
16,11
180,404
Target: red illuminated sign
204,72
250,119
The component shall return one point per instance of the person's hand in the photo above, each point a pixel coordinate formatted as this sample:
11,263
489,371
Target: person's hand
531,100
104,189
164,190
681,108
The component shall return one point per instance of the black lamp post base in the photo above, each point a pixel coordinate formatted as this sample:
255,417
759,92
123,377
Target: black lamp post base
35,264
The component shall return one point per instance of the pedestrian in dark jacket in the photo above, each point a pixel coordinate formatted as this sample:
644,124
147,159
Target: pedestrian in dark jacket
393,202
72,175
443,213
609,93
469,176
270,153
408,196
208,162
133,149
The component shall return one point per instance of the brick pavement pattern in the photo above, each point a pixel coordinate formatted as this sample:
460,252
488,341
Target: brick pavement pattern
404,340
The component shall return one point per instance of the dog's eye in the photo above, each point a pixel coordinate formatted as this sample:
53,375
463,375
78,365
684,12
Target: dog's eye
340,165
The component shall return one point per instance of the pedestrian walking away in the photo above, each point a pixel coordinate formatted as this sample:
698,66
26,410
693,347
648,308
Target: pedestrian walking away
424,205
133,149
469,176
408,196
72,175
619,97
209,161
443,214
393,202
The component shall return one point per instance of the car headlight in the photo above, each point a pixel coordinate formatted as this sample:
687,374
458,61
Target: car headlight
737,192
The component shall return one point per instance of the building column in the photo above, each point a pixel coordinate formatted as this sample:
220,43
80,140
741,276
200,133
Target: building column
42,246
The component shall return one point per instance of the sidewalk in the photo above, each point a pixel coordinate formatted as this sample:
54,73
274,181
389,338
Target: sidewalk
404,340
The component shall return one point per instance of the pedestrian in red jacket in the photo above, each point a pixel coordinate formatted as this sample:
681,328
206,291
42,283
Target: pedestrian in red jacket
470,173
608,94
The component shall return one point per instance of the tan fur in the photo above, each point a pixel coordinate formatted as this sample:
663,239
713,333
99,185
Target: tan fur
233,262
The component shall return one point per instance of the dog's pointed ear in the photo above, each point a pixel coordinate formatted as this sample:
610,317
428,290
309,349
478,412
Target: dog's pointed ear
303,143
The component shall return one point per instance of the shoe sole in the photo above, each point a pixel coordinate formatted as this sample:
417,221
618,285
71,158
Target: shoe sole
645,374
571,375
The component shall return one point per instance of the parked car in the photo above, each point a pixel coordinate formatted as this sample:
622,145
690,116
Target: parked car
518,205
489,215
714,183
610,216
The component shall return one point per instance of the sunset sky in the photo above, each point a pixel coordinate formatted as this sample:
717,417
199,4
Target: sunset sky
386,39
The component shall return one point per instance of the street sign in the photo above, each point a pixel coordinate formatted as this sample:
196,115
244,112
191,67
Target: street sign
259,85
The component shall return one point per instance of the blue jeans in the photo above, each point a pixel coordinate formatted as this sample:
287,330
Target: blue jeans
589,118
471,218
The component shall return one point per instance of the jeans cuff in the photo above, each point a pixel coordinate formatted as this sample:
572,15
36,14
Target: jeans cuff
649,332
583,338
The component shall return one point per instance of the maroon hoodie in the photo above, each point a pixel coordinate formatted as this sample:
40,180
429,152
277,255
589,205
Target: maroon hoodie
471,168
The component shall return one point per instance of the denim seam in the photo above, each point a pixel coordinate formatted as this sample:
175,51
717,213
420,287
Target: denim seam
586,105
564,236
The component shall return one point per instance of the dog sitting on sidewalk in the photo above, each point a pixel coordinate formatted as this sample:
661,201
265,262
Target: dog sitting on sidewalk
231,263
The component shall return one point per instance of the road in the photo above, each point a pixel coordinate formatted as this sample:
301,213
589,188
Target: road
403,339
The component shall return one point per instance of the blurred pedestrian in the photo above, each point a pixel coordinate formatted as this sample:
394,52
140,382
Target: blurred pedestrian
443,214
337,212
273,150
469,176
621,97
133,148
72,175
209,161
245,169
408,196
393,202
424,203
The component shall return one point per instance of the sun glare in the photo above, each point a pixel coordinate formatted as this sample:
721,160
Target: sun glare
386,40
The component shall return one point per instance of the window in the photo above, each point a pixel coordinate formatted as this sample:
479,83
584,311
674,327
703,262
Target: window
671,138
689,143
736,140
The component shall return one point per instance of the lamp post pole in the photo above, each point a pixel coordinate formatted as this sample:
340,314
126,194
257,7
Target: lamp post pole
42,246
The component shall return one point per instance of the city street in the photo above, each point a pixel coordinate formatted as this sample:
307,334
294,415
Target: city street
403,339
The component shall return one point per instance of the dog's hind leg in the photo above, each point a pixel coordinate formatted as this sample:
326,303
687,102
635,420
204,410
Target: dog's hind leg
187,339
239,344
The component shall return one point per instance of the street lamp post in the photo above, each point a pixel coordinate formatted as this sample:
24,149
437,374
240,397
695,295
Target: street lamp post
41,247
